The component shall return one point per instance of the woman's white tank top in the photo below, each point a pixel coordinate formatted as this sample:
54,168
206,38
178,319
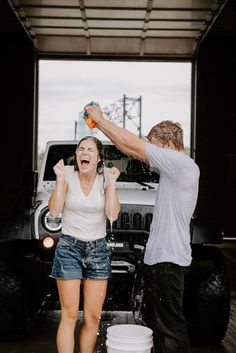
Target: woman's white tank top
83,217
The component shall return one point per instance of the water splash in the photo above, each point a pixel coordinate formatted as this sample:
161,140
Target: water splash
111,237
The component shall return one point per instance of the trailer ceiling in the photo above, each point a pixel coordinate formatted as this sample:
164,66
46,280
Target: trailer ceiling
116,28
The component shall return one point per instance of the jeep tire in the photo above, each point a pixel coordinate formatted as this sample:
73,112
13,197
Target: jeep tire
206,296
13,305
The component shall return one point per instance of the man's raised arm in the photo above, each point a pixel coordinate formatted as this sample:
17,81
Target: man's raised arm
123,139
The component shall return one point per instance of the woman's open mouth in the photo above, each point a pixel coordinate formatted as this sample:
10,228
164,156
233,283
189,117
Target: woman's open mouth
84,162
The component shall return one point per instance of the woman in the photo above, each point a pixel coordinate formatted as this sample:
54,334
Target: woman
85,198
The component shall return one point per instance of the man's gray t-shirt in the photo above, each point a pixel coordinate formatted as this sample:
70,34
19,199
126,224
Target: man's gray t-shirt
176,198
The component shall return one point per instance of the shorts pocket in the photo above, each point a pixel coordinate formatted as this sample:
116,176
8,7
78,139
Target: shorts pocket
64,243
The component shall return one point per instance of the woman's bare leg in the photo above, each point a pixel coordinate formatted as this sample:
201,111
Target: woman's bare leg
94,293
69,294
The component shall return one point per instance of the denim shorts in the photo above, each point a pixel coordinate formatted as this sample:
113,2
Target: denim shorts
75,258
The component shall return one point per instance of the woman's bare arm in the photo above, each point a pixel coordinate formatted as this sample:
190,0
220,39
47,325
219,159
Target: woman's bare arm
57,199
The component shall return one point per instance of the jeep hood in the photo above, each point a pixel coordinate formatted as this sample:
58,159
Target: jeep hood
137,196
128,193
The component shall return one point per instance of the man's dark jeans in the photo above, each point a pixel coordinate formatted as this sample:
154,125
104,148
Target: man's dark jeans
165,287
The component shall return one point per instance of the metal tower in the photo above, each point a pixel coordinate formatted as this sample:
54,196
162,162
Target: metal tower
126,110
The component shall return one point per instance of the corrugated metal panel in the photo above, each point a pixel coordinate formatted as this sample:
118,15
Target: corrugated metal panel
126,27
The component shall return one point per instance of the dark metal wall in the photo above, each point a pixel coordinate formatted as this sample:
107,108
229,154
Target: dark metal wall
216,122
17,62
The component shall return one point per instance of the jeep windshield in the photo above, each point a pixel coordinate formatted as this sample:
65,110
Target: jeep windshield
131,170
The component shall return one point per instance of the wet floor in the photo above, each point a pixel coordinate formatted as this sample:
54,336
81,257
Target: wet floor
42,336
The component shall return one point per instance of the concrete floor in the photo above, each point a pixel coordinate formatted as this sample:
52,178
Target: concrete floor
42,335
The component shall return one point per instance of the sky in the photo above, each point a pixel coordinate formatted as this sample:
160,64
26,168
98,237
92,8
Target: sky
65,87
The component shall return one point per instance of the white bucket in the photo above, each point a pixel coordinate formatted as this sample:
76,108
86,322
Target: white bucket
129,338
114,340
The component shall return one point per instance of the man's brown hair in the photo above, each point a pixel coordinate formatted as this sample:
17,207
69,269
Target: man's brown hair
167,131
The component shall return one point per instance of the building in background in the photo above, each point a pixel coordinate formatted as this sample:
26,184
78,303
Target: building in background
81,128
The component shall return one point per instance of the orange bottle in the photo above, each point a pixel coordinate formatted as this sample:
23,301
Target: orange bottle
89,121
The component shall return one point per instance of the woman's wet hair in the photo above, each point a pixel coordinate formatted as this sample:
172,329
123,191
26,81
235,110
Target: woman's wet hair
167,131
99,146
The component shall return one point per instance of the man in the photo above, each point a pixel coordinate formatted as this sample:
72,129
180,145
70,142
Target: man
168,250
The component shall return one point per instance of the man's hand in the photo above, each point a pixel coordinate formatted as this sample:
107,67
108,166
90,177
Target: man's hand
59,169
95,113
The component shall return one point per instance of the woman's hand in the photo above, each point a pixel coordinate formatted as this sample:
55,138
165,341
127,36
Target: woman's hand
112,204
112,175
57,199
59,169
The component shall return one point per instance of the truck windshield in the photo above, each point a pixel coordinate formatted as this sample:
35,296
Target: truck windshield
131,170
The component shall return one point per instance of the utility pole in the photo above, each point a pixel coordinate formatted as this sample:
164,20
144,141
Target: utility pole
75,130
124,111
140,116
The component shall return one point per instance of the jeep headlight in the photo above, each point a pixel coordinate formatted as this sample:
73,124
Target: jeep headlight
48,242
50,223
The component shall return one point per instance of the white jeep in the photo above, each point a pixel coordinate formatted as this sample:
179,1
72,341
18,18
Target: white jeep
206,299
